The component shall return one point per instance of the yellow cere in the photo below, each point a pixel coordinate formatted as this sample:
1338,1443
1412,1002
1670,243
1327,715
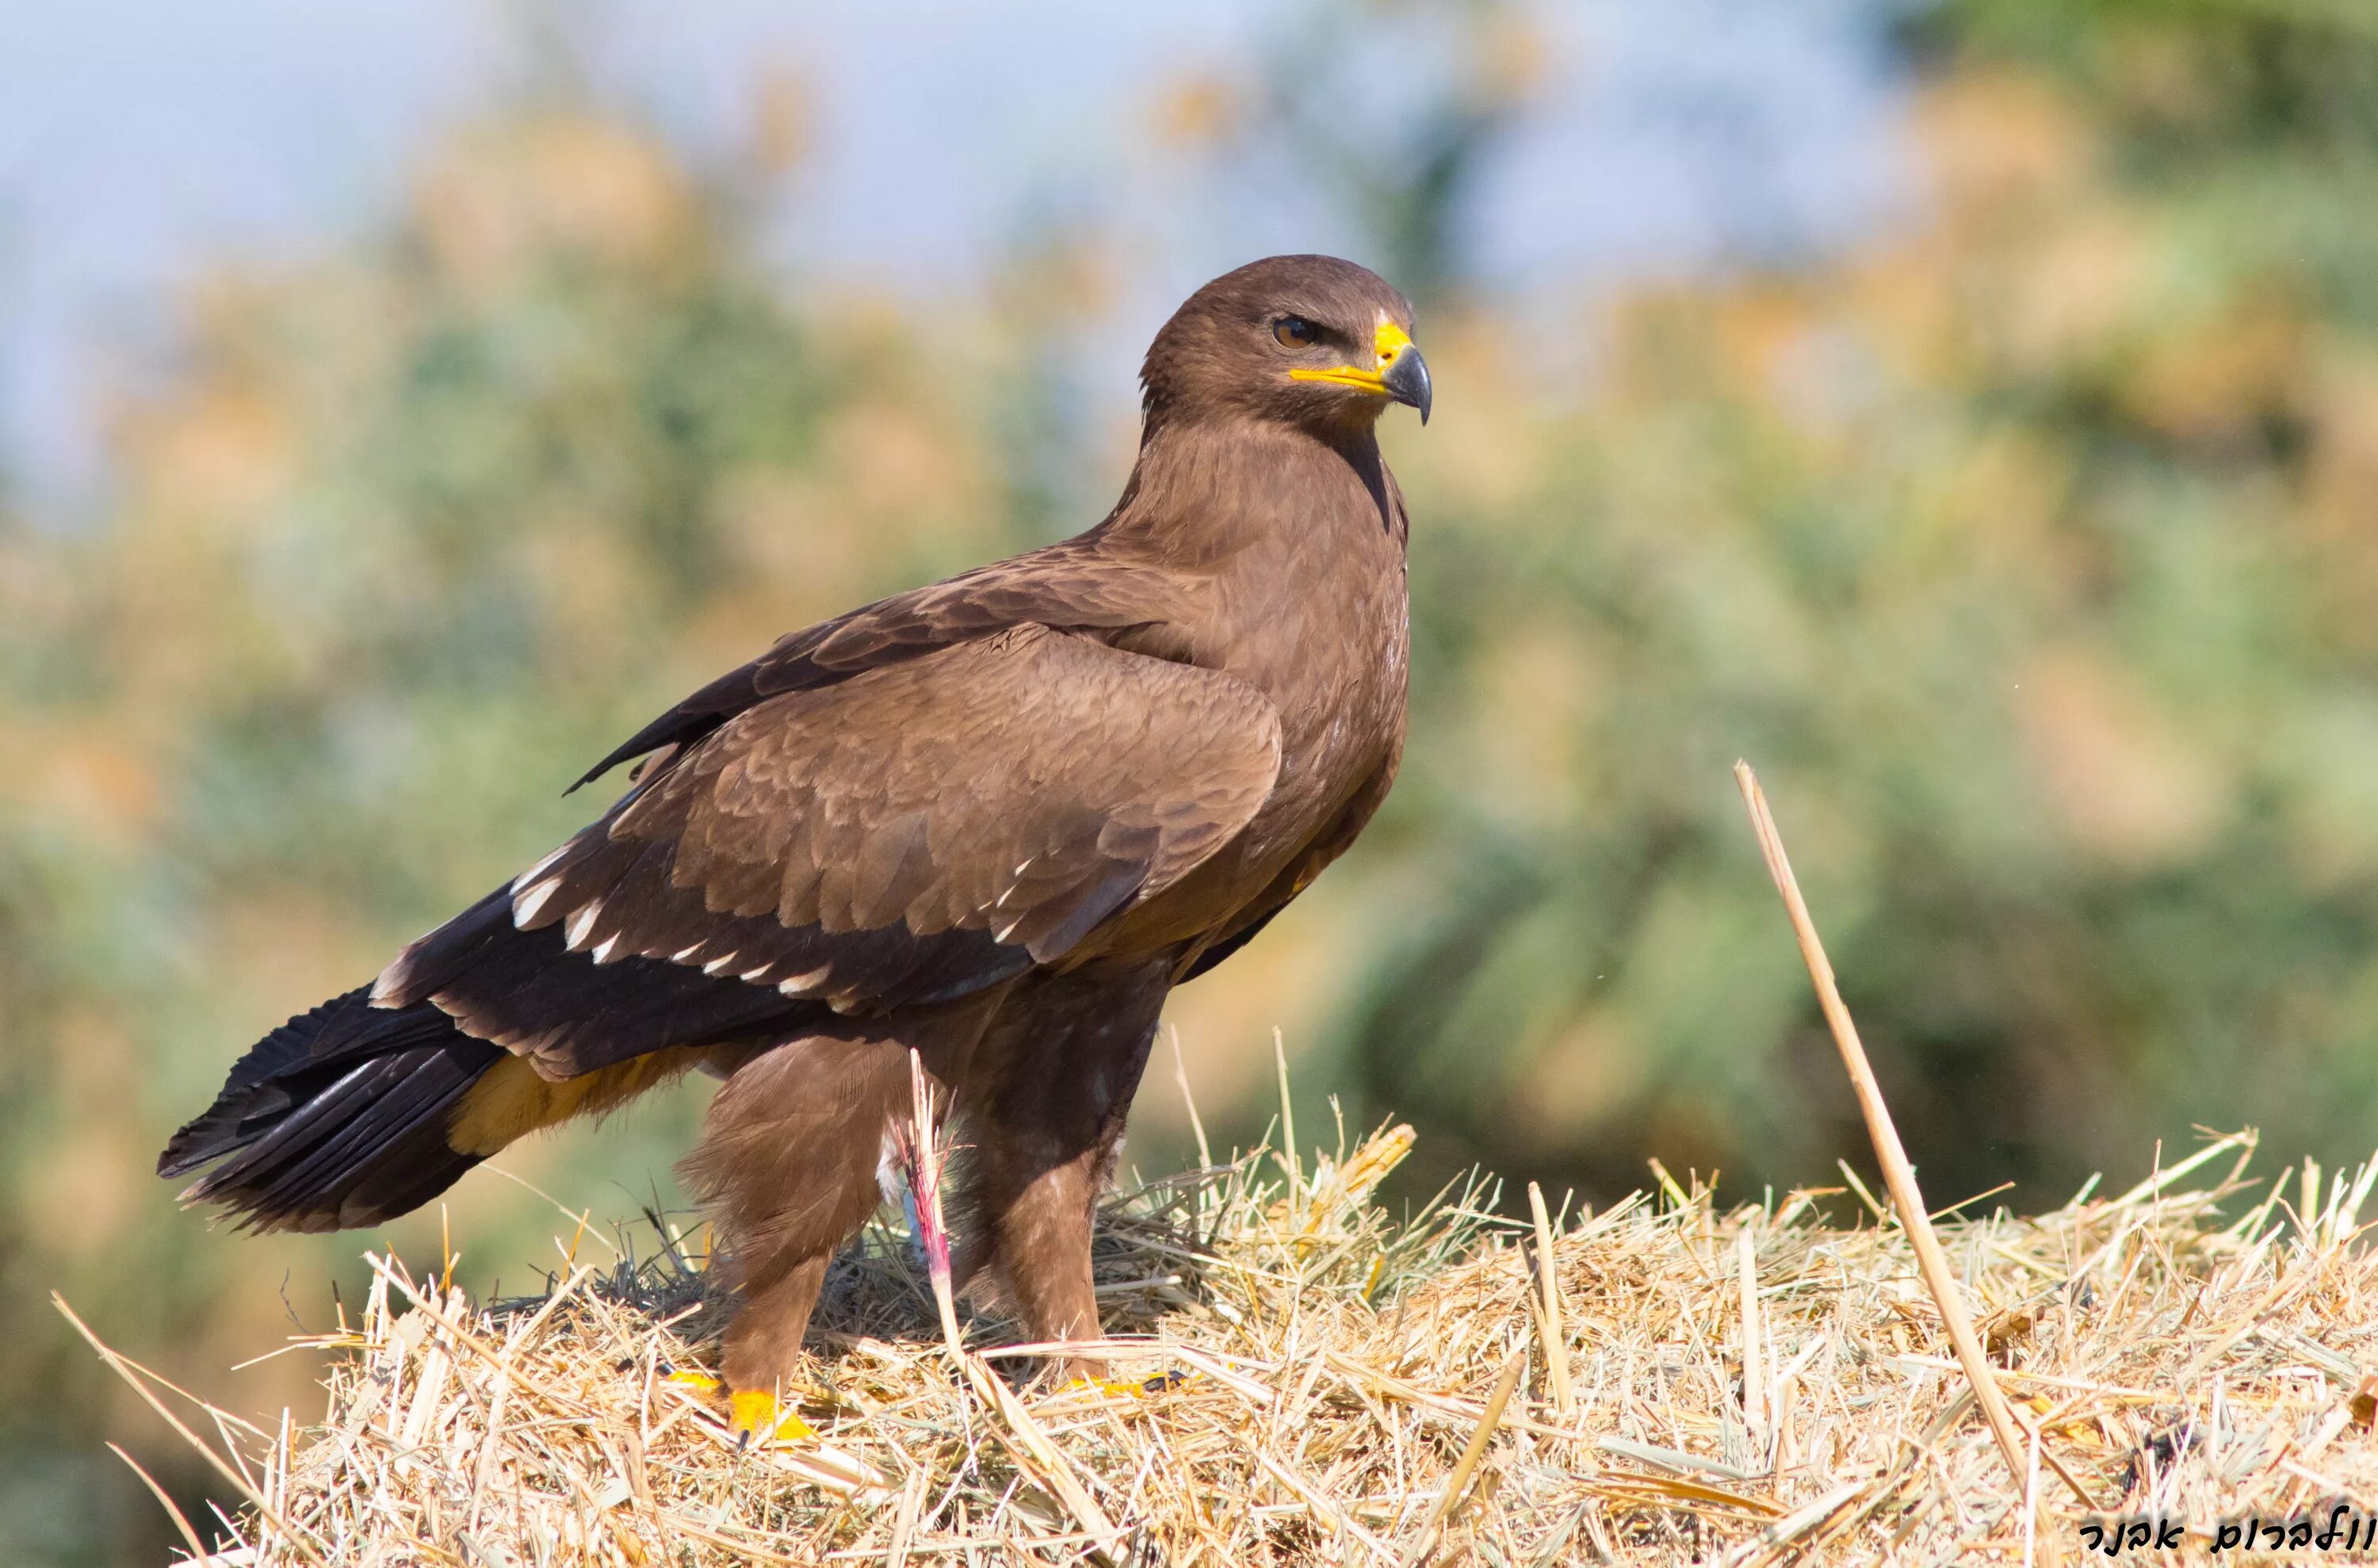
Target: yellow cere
1387,343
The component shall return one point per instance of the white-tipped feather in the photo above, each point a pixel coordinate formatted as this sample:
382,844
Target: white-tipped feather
392,980
582,924
605,948
800,983
720,963
527,906
685,952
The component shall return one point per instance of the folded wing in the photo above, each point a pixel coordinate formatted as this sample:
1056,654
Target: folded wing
1067,586
908,835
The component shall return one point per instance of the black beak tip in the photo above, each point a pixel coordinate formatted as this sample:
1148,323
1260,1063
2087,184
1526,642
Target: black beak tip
1408,382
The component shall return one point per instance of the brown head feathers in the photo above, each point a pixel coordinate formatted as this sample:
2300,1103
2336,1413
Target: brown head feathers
1310,341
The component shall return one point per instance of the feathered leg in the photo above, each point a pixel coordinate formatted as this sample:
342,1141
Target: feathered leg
1053,1085
787,1164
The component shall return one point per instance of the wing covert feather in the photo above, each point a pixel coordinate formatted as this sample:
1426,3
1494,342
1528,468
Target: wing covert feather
910,833
1072,585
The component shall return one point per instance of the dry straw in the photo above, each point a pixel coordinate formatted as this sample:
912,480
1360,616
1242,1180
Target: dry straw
1327,1382
1354,1391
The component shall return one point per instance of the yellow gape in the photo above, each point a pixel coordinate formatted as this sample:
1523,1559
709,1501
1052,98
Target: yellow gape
1389,342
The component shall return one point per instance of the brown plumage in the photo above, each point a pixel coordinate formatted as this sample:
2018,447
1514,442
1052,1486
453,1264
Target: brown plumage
995,820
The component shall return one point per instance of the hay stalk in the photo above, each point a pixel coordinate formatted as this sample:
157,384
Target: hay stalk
1897,1173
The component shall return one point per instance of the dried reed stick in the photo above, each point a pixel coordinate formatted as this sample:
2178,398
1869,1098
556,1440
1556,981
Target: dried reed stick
924,1160
1555,1340
122,1368
199,1556
1897,1173
1754,1370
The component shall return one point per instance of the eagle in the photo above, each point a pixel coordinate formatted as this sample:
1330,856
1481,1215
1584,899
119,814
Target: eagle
993,822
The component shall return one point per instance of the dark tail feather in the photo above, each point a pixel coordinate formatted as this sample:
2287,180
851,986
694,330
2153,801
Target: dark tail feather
336,1118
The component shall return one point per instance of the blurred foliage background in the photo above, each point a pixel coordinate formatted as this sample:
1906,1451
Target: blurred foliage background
2029,546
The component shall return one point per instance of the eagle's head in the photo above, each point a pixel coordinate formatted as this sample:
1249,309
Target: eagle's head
1310,341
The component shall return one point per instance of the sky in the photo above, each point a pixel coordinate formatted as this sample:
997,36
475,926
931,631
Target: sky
142,139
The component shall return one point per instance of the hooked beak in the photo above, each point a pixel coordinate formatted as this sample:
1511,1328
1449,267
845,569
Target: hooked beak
1406,379
1400,374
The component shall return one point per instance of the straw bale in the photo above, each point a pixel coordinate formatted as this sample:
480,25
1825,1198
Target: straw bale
1323,1383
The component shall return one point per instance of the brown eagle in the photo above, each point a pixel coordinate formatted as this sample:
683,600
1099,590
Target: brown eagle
995,820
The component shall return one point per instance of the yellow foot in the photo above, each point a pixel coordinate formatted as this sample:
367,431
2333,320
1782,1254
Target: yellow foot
1134,1388
754,1416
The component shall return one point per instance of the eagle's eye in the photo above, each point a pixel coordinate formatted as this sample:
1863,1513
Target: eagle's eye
1295,332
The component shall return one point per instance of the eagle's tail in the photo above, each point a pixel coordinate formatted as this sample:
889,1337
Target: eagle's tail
339,1118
